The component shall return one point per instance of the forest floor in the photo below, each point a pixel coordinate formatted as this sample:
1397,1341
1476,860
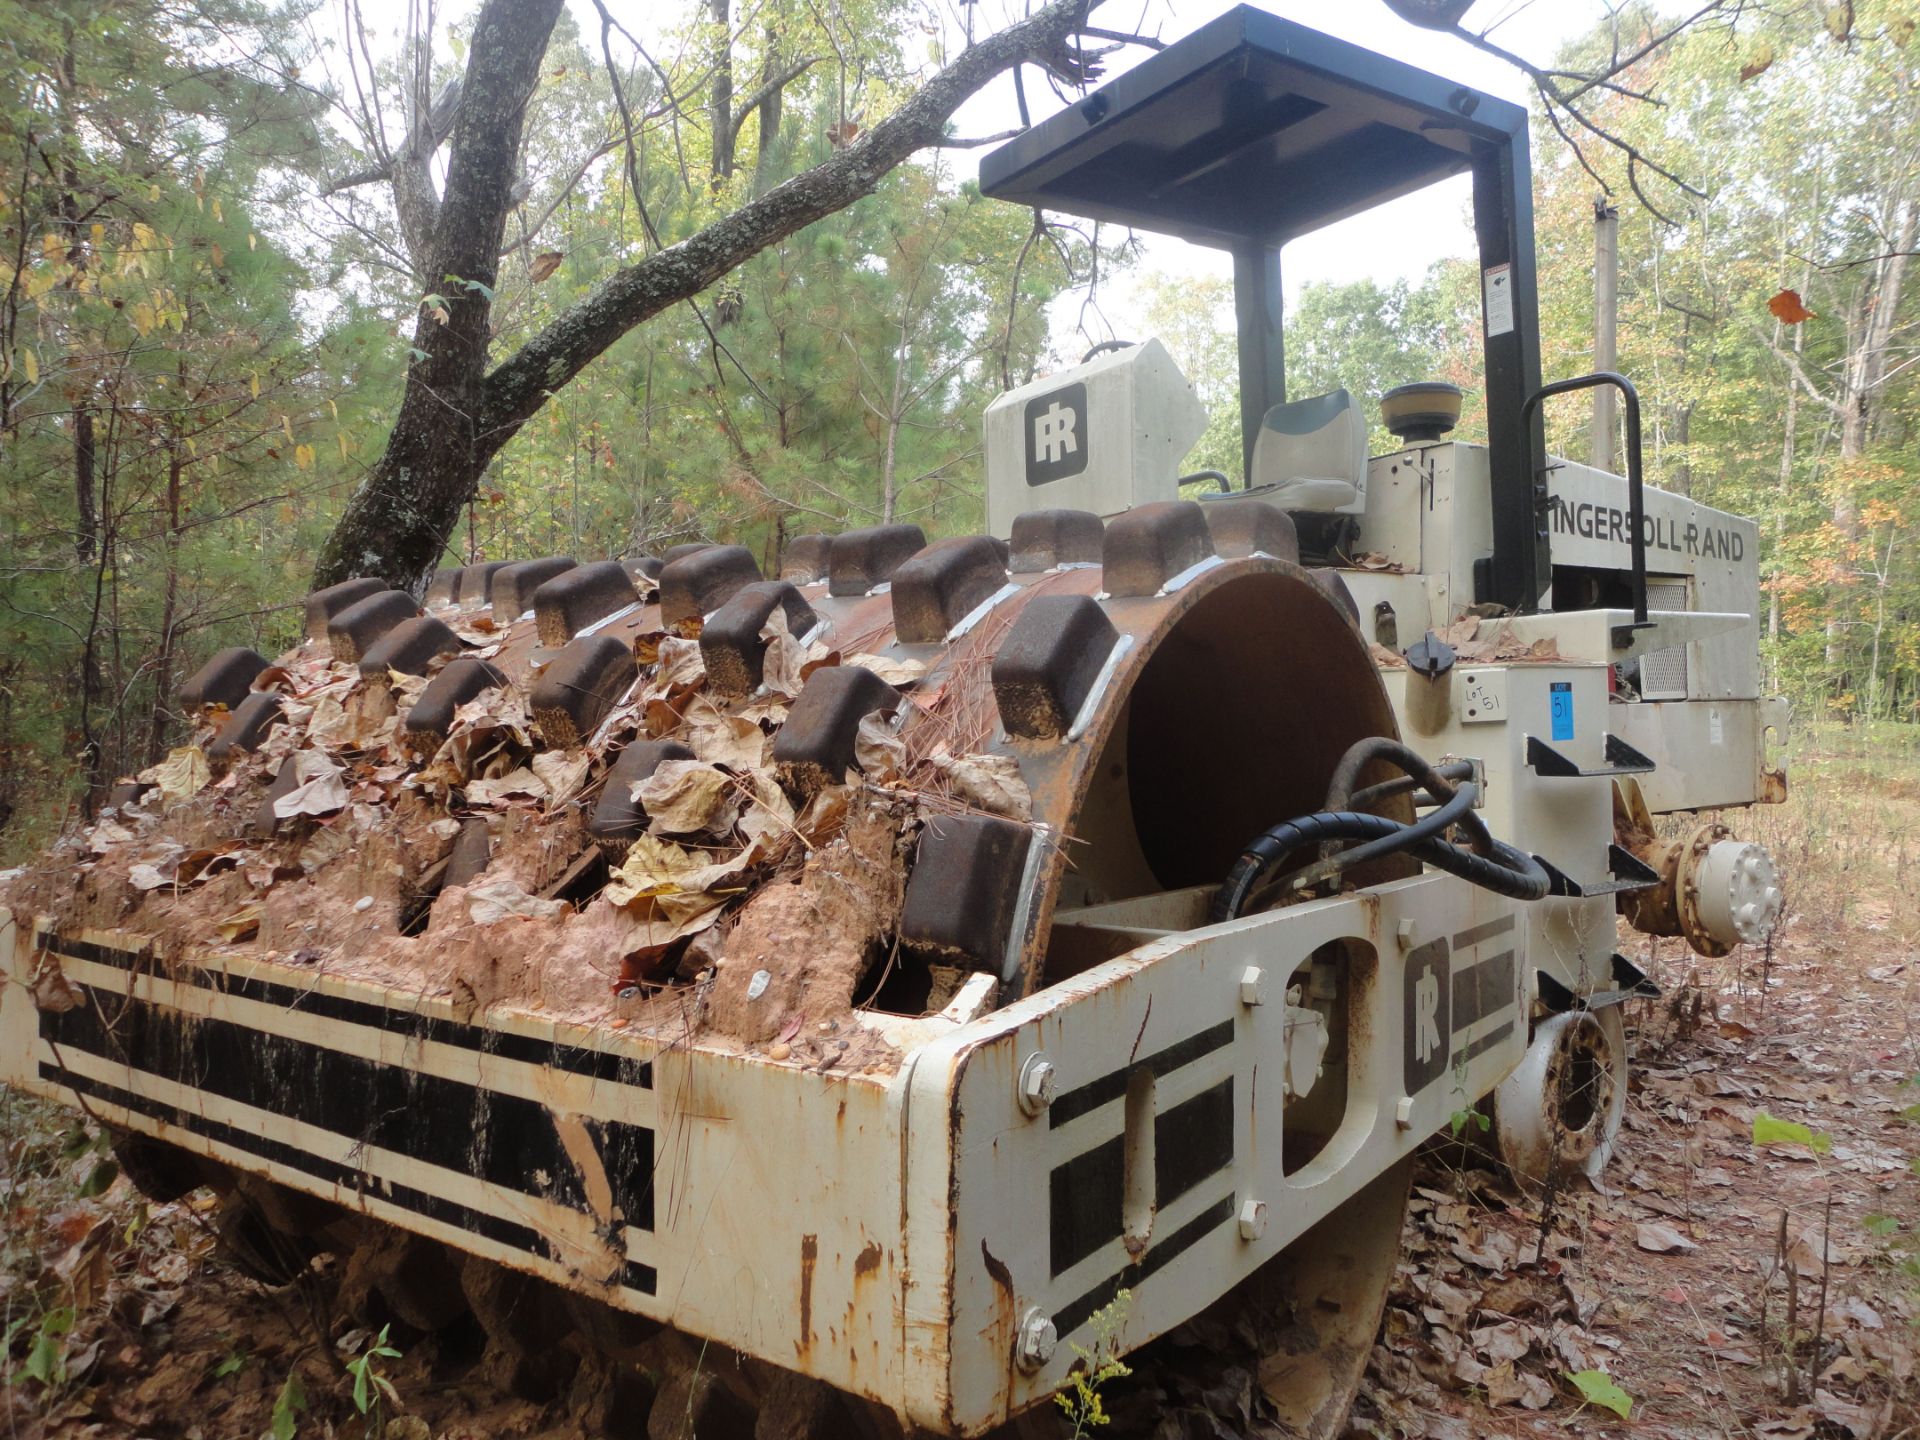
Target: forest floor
1729,1276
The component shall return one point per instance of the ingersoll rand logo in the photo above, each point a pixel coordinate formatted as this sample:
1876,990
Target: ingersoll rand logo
1056,426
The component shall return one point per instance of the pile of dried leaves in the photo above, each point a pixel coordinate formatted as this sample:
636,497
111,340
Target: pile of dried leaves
348,857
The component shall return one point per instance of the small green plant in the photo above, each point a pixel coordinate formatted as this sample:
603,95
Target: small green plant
1096,1366
1460,1120
46,1360
1597,1387
1769,1130
370,1387
287,1406
235,1362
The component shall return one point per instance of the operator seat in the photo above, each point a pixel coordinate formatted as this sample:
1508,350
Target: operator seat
1314,453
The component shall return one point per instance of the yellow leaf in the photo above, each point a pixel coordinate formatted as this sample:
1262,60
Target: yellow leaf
216,210
303,456
182,775
193,447
52,247
253,384
334,408
286,428
31,364
341,436
252,240
99,234
153,192
142,317
243,924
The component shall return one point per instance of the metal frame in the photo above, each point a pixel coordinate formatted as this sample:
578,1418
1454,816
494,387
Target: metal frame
1255,130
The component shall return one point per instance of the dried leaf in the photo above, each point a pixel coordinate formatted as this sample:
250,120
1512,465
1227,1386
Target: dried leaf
491,901
182,775
680,664
990,782
730,740
1761,62
563,772
688,797
895,670
491,790
320,787
878,749
544,264
1660,1239
243,924
1788,308
680,882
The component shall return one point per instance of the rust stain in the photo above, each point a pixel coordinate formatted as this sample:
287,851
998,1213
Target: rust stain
809,1258
1140,1034
867,1261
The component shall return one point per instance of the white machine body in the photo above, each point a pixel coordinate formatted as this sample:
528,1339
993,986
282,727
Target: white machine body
1104,436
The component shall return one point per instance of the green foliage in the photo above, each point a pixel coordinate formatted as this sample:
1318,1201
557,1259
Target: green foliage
370,1387
1596,1387
1097,1365
1768,1130
46,1362
287,1405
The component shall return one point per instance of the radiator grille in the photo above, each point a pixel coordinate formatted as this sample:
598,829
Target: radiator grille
1663,673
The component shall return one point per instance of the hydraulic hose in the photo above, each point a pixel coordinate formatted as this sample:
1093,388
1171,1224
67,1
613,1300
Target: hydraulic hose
1455,770
1433,779
1434,822
1505,871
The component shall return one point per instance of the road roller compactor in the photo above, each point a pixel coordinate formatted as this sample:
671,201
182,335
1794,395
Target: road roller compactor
855,992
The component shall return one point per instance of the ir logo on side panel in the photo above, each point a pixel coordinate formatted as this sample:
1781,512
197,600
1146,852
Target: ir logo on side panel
1056,425
1429,1018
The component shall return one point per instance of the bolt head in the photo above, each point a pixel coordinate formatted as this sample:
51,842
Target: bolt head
1038,1082
1038,1339
1403,1112
1253,1219
1250,982
1406,932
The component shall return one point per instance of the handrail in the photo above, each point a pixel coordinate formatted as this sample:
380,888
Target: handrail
1636,487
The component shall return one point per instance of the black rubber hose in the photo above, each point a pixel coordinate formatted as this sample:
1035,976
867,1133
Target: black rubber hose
1340,792
1454,770
1506,871
1434,822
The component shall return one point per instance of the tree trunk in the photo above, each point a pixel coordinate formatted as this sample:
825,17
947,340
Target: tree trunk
720,109
767,162
397,523
455,416
86,527
163,659
1866,372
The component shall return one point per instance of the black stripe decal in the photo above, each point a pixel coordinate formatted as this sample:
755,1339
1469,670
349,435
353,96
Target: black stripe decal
531,1050
1191,1142
634,1275
1071,1317
1084,1203
1474,936
1485,1043
1479,990
505,1139
1112,1085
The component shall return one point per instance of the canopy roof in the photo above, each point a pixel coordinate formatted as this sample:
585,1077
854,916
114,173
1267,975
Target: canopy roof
1249,131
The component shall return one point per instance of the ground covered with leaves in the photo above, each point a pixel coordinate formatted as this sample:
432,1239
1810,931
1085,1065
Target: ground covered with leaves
1749,1266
